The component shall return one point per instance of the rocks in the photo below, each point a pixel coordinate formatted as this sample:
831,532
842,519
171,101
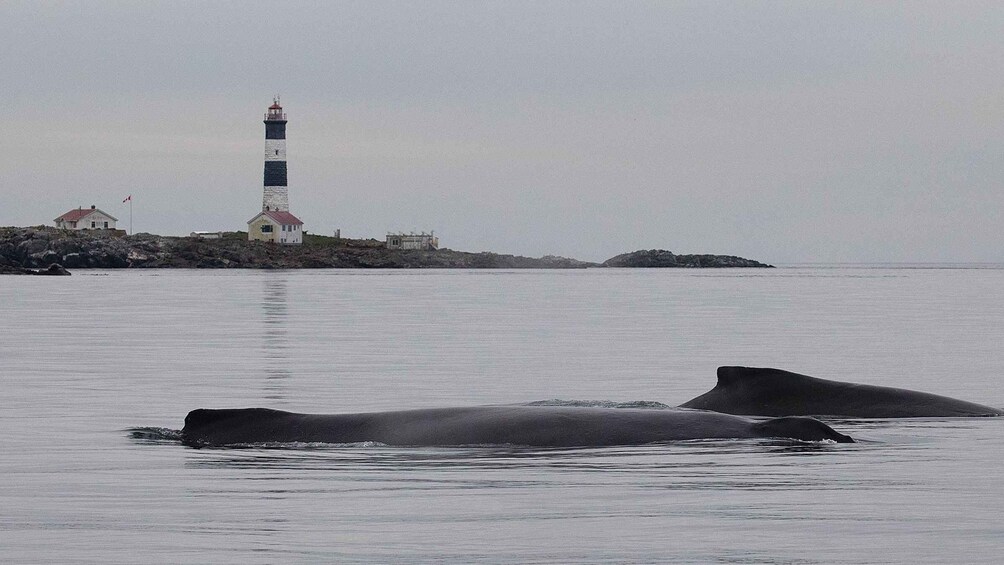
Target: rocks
10,270
46,257
660,258
24,249
54,269
74,260
650,258
31,247
558,262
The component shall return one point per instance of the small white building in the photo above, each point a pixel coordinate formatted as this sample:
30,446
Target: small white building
424,241
86,219
206,234
277,227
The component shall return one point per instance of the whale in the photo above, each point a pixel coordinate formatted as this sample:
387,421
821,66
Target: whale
514,425
755,391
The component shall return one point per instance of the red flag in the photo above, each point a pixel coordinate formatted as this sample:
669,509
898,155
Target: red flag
128,198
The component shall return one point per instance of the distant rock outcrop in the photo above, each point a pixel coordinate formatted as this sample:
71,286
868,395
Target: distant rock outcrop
660,258
54,269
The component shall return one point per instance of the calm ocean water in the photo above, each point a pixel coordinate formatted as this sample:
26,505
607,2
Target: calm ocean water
84,359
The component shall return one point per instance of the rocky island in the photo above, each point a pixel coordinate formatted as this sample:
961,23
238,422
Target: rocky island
660,258
26,250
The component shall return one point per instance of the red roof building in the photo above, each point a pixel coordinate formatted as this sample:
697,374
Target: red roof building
277,227
86,219
283,217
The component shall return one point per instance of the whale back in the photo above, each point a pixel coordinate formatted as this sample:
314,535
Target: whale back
224,426
542,426
754,391
801,428
231,426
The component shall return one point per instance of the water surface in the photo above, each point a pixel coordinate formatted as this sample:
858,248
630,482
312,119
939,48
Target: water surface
85,358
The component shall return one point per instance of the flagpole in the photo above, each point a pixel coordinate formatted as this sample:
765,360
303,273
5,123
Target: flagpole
129,200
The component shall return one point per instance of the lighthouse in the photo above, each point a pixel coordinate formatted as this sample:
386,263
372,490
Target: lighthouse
275,223
276,195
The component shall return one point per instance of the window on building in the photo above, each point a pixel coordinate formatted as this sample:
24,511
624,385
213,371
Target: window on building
93,225
106,225
266,228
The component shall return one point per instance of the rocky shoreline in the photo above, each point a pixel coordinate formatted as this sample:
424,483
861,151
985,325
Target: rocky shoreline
25,250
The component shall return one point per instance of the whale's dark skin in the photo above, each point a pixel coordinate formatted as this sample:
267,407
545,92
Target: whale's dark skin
539,426
753,391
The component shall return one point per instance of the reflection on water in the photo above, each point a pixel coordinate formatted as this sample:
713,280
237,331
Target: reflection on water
683,467
674,454
275,337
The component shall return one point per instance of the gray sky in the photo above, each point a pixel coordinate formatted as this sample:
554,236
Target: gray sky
785,132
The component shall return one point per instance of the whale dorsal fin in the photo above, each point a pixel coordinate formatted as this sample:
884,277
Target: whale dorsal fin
729,376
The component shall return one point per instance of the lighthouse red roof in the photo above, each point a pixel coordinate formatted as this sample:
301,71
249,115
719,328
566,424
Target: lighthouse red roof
274,106
279,217
76,215
283,217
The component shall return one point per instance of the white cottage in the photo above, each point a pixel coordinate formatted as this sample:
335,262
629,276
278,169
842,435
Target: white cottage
86,219
277,227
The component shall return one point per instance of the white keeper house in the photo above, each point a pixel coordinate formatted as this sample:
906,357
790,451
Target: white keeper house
86,219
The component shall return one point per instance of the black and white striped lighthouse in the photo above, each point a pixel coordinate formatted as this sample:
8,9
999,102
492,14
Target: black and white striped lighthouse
275,223
276,195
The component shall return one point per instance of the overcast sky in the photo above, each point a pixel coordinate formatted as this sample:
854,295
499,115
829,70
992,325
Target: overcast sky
784,132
